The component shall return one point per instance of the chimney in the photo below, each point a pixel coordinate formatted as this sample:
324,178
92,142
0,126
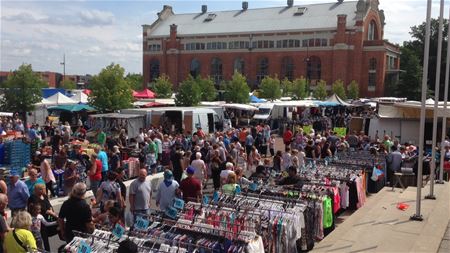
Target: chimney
244,6
204,8
341,28
290,3
173,32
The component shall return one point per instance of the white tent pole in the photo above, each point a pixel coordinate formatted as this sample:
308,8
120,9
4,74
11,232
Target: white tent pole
417,216
437,85
444,118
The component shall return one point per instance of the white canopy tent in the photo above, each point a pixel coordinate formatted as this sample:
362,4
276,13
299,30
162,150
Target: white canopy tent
80,97
59,99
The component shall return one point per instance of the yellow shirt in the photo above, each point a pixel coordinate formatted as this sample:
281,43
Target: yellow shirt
25,236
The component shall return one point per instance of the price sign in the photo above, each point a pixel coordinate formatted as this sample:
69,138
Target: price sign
84,248
172,212
205,200
238,190
216,196
141,223
178,203
118,231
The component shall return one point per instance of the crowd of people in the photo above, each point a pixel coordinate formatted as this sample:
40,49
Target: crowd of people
232,159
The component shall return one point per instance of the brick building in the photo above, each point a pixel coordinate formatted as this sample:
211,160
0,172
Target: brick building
329,41
54,79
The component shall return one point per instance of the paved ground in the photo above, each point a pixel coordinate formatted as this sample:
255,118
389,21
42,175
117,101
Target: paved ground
445,243
380,227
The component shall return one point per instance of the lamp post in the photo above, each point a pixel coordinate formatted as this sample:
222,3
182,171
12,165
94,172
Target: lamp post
436,102
444,119
417,216
64,67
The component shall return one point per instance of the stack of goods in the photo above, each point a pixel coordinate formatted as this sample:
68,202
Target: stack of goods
17,153
132,167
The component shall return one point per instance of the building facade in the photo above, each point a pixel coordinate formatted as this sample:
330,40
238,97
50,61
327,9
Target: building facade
339,40
54,79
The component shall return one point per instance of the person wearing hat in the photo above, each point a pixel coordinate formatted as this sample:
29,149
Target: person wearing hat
18,193
167,191
191,187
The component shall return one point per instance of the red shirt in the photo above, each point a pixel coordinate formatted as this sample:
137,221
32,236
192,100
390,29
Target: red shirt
98,173
287,136
190,187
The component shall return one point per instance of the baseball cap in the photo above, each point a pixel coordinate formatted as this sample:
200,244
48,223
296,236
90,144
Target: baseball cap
190,170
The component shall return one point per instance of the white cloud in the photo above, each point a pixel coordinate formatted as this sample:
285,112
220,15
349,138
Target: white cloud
96,17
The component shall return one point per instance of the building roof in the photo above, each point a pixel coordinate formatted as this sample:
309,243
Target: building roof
316,17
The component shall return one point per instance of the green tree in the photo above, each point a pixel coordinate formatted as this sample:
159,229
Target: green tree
163,87
237,90
286,87
270,88
417,45
68,84
410,84
353,90
189,93
299,88
135,81
339,89
321,90
110,90
208,91
22,90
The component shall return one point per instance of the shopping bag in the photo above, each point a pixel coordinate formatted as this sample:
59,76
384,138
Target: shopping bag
374,176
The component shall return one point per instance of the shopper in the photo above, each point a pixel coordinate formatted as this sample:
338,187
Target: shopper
47,175
191,187
109,190
231,186
38,224
95,173
103,157
46,210
18,193
70,176
20,239
200,168
292,178
140,194
33,180
167,191
75,214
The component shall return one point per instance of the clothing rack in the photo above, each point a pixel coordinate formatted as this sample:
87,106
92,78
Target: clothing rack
108,240
174,223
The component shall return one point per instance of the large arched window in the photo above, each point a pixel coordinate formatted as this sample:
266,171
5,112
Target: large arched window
239,65
195,68
154,69
372,33
287,68
314,69
372,83
216,70
262,70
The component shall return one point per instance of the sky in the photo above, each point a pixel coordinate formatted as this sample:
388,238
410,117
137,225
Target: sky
94,33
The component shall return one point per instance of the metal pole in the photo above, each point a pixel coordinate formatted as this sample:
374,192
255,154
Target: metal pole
417,216
444,118
436,102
